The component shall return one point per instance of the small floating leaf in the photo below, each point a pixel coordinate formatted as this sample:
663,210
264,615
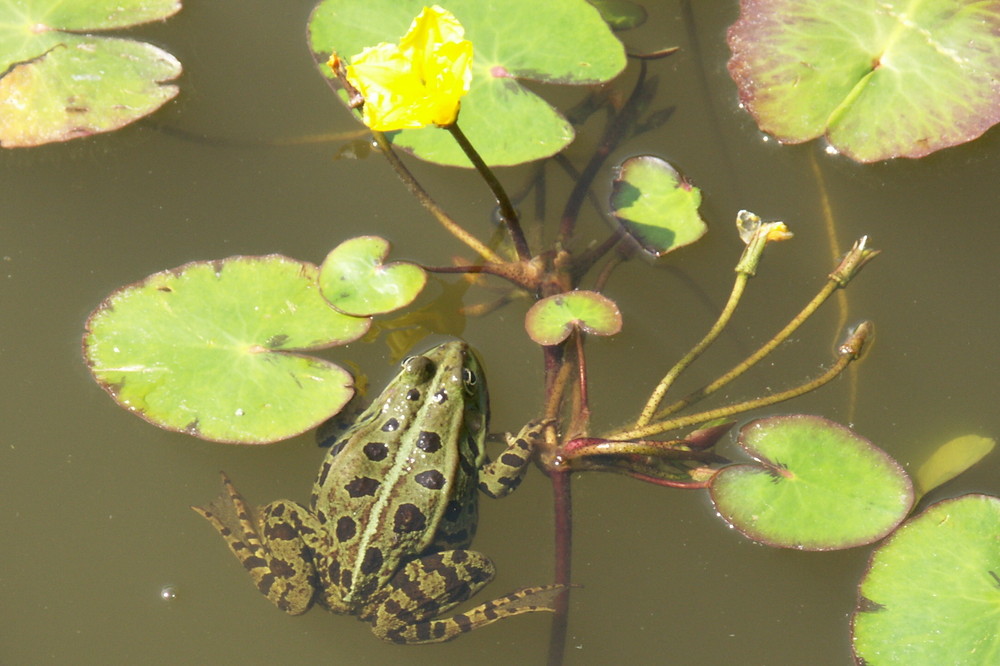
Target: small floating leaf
932,591
552,319
354,279
951,459
656,205
59,84
819,486
205,349
880,79
557,41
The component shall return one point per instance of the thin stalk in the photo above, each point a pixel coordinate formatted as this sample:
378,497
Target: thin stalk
849,351
830,224
563,507
417,190
616,130
852,262
581,365
661,389
757,356
507,210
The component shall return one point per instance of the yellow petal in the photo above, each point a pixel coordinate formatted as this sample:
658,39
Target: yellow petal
419,82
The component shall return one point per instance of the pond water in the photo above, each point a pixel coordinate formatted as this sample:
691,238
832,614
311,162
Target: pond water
96,521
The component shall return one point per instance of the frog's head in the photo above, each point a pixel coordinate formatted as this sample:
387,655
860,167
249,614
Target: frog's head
455,368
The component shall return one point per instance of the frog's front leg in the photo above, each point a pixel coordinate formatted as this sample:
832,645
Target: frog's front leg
273,548
504,474
404,611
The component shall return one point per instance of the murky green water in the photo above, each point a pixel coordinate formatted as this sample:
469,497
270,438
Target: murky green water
95,518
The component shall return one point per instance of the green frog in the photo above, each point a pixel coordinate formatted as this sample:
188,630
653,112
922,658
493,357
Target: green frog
392,511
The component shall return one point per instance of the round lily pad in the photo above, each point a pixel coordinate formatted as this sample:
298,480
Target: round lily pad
818,485
354,279
556,41
552,319
931,594
656,205
881,79
206,349
59,84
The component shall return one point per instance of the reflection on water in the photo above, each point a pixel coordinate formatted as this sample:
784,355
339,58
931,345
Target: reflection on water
96,501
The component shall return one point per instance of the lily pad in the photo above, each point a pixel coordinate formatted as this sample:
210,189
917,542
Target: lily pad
552,319
656,205
818,486
881,78
556,41
59,84
932,591
206,349
951,459
354,279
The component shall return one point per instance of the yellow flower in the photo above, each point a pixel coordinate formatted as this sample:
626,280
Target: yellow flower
417,82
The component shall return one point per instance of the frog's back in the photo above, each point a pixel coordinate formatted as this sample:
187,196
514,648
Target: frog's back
402,480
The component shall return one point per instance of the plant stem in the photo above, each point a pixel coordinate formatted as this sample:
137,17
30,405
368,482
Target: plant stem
727,312
849,351
757,356
618,127
853,261
563,508
507,210
417,190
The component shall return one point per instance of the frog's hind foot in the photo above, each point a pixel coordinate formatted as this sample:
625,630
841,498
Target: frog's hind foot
525,600
269,548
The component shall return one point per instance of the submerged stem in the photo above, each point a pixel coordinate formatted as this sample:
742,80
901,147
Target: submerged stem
417,190
563,509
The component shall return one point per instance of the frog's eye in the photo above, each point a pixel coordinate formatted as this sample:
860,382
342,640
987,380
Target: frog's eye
419,367
469,379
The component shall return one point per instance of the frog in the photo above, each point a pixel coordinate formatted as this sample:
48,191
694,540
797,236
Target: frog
393,510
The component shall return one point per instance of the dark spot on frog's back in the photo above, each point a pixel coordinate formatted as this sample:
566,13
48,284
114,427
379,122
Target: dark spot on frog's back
372,561
392,425
376,451
323,471
428,441
362,486
431,479
408,518
346,528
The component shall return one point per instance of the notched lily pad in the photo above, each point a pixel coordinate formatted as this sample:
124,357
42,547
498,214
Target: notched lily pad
354,279
817,485
206,349
881,80
656,205
552,319
59,85
556,41
931,594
